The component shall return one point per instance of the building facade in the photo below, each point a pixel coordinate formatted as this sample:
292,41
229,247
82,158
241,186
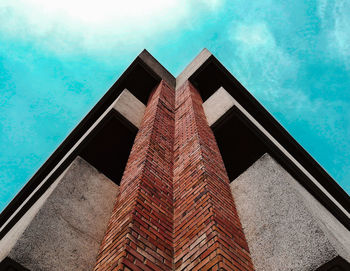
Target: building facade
186,173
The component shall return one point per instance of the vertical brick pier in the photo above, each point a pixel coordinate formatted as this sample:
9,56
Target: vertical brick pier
139,234
175,210
207,232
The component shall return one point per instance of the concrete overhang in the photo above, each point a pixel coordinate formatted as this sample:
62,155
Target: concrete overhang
140,78
207,74
211,76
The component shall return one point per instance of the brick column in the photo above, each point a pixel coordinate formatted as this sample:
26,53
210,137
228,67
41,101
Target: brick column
207,230
139,235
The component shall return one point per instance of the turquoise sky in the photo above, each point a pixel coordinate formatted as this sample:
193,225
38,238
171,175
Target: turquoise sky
57,59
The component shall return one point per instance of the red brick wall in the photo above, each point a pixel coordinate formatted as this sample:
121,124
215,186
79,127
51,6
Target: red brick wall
139,235
207,230
175,210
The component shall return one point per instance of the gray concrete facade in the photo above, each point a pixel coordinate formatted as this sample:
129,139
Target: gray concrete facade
10,239
217,105
130,107
157,68
192,67
285,226
220,102
67,231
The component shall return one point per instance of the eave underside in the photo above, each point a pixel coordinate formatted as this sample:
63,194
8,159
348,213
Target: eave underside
207,74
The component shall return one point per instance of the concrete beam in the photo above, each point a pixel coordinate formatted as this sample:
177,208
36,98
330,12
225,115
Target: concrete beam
67,231
217,105
192,67
130,107
157,68
127,105
285,226
221,107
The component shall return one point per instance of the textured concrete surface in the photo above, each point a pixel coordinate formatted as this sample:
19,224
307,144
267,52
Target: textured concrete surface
67,231
286,228
130,107
10,239
217,105
337,234
192,67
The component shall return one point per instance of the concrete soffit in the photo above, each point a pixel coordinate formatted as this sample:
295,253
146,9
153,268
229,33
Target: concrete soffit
128,91
157,68
221,102
149,73
126,104
191,68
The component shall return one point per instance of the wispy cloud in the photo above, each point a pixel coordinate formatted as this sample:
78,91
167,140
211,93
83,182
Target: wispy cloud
67,26
341,32
265,65
335,20
255,35
58,57
267,70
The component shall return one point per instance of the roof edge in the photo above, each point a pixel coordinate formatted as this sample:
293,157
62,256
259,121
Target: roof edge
191,68
157,68
8,215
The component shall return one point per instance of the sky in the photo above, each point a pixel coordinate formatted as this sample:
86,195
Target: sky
58,58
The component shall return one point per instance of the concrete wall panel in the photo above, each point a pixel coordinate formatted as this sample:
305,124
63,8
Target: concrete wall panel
10,239
130,107
67,231
286,227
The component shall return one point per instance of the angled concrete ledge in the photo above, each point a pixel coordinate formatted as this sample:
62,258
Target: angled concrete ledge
66,232
285,226
221,101
130,107
57,220
157,68
217,105
192,67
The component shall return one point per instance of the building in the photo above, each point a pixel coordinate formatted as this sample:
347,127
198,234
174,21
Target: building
186,173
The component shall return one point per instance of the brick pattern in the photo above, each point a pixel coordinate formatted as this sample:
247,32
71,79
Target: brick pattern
207,231
139,234
175,210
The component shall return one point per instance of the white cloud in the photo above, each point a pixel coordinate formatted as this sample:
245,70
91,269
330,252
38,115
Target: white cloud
65,26
255,35
341,32
213,4
322,8
335,20
265,65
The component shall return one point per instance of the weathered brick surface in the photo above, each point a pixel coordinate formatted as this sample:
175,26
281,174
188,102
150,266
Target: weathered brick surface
207,231
139,234
175,210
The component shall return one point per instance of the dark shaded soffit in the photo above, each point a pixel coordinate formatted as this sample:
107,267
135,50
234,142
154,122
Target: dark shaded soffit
212,75
140,78
336,264
10,265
